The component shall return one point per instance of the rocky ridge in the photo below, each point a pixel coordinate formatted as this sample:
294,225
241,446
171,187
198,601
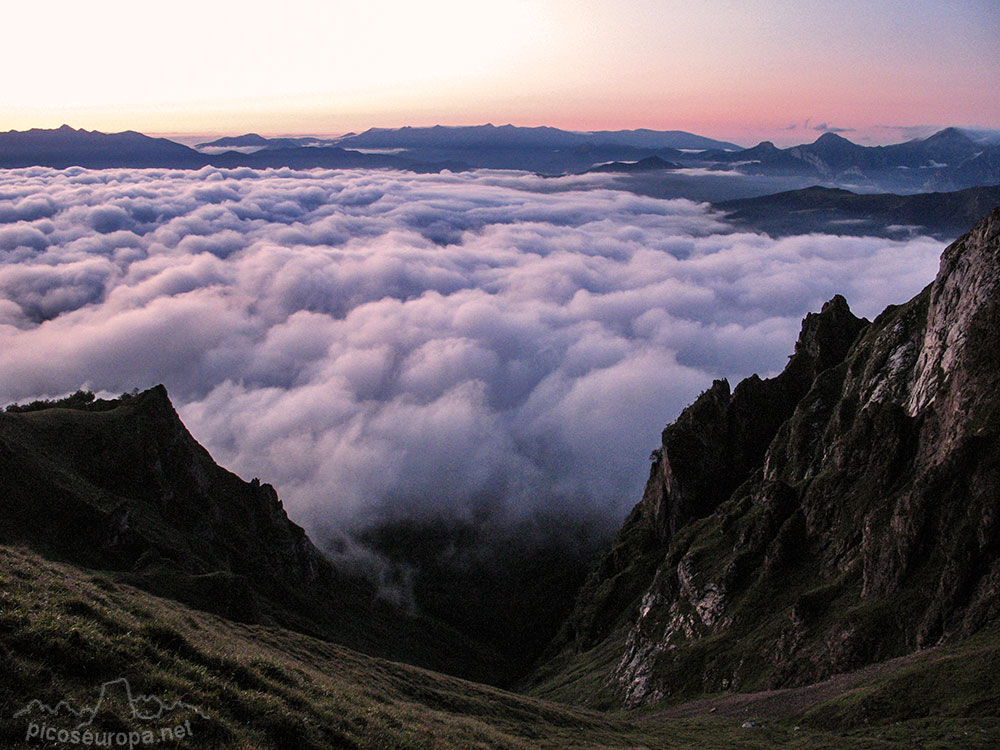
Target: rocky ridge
121,486
842,513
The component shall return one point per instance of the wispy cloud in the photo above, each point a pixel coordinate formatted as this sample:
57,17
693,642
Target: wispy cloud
825,127
910,132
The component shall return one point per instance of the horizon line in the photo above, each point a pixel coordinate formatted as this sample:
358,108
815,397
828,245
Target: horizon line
265,133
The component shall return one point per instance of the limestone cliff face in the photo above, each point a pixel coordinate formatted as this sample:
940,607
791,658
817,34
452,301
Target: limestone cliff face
839,514
704,456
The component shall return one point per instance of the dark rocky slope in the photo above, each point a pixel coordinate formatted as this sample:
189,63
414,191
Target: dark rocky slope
842,513
122,486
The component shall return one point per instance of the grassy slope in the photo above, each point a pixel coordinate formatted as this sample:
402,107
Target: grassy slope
65,630
194,531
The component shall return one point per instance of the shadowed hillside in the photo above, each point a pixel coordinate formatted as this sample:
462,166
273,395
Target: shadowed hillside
122,486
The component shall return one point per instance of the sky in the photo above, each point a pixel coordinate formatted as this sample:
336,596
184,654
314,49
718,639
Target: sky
380,344
744,71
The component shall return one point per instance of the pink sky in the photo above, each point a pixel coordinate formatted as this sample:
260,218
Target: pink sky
732,69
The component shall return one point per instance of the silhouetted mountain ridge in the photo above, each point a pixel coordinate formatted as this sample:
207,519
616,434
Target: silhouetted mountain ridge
508,136
254,140
66,147
948,160
649,164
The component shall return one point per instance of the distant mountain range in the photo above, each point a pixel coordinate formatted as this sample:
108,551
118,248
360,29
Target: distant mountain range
484,136
545,150
951,159
67,147
253,140
542,149
510,136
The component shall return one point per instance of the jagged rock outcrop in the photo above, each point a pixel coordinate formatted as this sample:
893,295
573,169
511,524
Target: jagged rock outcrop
704,456
839,514
716,442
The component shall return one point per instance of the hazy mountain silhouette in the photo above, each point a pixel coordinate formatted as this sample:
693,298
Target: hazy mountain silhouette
66,147
509,136
253,140
546,150
649,164
837,211
951,159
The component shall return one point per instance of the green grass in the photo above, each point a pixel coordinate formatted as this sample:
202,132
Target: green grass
962,680
64,631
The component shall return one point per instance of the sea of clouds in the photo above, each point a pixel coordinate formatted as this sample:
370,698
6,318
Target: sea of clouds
387,344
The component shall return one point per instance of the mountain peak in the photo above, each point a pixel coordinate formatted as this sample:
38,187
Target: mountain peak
253,137
832,138
949,136
826,336
158,398
836,304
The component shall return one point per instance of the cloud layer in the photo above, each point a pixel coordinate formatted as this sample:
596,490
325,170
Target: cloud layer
384,343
